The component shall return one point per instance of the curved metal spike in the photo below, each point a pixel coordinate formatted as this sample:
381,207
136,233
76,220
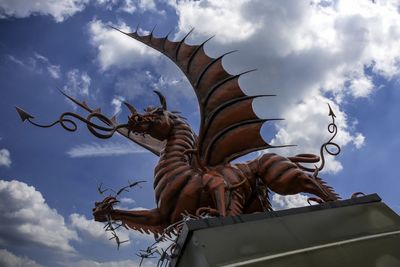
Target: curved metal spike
117,29
331,112
131,108
162,100
80,104
152,31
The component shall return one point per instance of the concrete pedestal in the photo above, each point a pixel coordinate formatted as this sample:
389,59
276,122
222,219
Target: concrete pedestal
356,232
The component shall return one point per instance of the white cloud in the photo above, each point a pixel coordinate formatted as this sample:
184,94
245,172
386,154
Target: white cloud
134,84
104,149
95,230
53,70
78,83
130,6
116,49
222,17
127,200
38,64
26,218
8,259
5,159
359,140
301,127
280,202
361,87
59,10
147,5
117,103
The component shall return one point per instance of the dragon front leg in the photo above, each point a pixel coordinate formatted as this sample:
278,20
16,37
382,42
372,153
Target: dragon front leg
148,221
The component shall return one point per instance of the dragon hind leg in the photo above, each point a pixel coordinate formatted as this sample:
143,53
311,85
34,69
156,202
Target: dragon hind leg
284,177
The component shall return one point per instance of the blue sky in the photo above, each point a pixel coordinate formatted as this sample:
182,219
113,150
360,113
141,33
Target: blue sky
309,53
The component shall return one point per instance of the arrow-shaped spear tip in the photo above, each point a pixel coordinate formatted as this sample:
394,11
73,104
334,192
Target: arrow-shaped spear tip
23,114
331,111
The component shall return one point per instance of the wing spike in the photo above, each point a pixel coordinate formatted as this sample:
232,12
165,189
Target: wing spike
114,119
211,116
151,33
181,42
195,52
218,109
118,29
231,128
165,39
81,104
215,60
219,84
137,28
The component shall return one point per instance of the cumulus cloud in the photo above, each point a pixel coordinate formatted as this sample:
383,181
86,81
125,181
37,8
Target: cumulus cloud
104,149
8,259
116,102
280,202
53,70
95,230
116,49
59,10
26,219
38,64
130,6
301,127
5,159
78,83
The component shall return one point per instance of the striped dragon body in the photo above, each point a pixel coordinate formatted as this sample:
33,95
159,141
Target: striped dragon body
181,187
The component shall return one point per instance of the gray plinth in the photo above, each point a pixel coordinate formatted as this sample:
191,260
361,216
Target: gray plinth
357,232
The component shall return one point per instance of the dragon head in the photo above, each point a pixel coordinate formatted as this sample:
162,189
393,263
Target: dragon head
102,209
155,121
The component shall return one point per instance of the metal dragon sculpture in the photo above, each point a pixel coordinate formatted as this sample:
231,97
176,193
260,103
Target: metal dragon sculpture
195,174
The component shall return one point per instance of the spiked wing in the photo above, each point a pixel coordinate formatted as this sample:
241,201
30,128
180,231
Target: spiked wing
229,127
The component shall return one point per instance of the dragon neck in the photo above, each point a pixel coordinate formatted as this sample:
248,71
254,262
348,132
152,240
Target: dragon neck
180,139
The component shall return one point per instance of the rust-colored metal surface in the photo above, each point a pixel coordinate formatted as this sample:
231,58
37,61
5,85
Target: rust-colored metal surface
194,174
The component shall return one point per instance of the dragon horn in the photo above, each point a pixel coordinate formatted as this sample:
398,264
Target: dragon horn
130,107
162,99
